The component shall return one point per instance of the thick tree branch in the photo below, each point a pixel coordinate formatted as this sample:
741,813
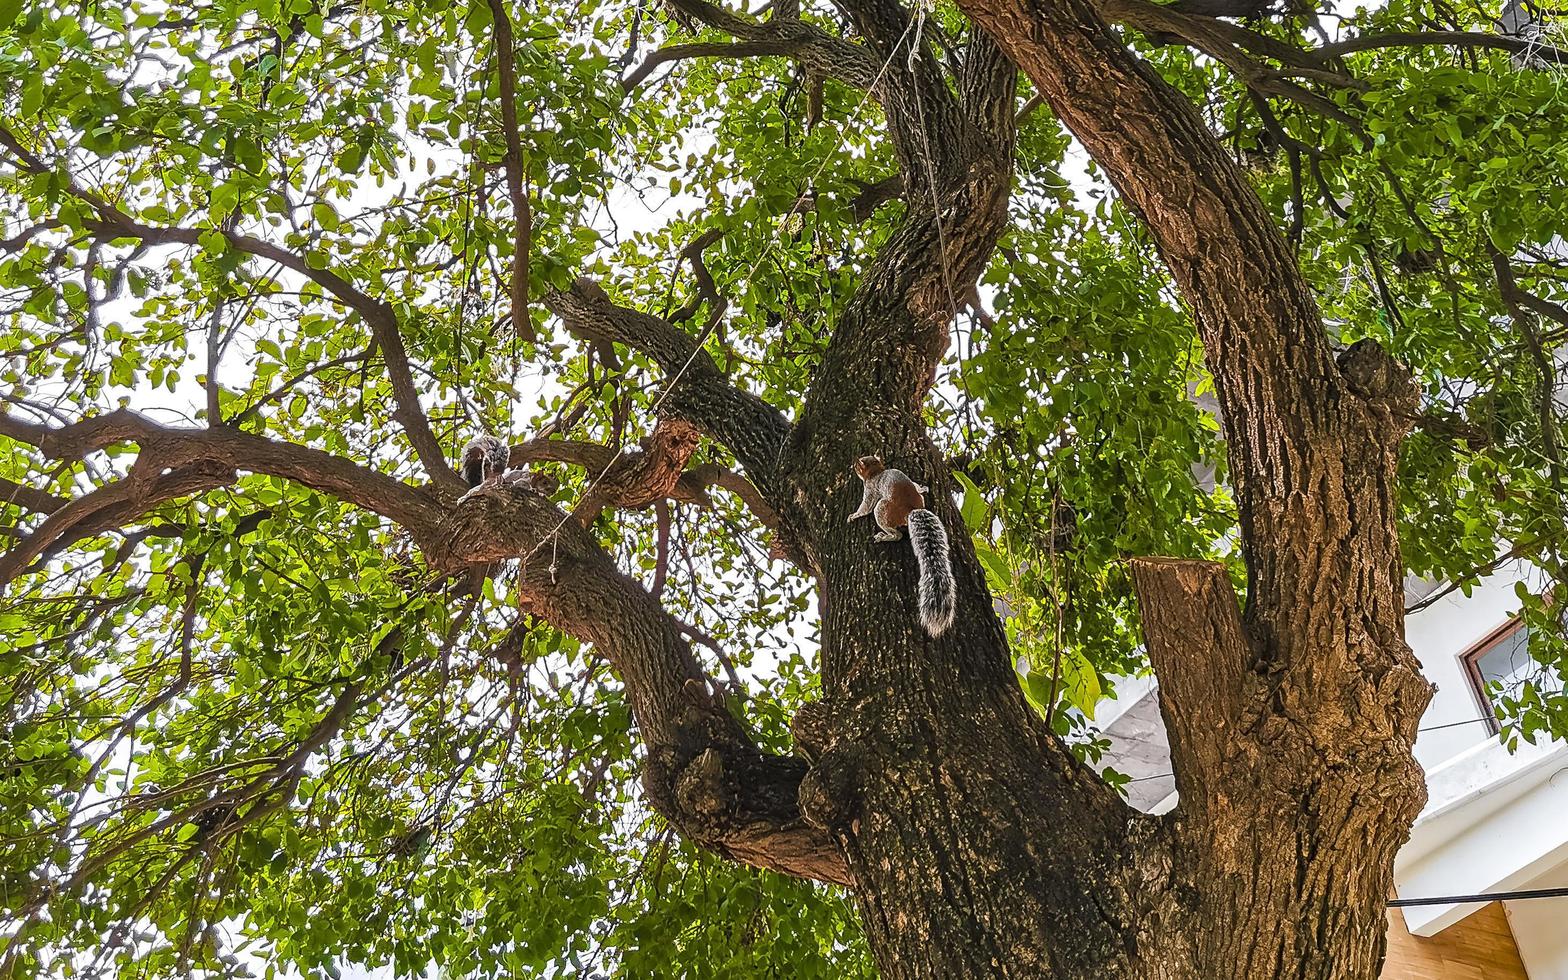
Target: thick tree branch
876,194
575,452
691,487
15,242
988,87
179,461
807,44
1198,649
1258,320
696,481
1520,301
30,498
703,771
931,130
640,478
867,395
1239,9
661,561
707,49
1523,308
872,195
1217,38
522,215
1196,22
955,153
111,505
707,290
1452,39
745,424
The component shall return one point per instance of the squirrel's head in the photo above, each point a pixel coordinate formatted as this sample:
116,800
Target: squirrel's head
868,466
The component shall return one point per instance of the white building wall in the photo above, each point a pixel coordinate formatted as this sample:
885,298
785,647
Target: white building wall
1494,823
1540,928
1439,635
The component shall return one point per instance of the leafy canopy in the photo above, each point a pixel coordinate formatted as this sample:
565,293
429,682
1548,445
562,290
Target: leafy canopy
246,729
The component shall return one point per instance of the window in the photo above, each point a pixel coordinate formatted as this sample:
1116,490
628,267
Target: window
1504,659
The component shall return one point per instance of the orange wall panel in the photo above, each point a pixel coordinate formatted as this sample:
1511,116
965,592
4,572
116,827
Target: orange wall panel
1478,947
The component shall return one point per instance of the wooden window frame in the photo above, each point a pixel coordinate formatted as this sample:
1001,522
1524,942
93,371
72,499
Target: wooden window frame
1470,663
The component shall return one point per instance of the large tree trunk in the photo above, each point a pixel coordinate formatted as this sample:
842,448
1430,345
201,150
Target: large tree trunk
977,846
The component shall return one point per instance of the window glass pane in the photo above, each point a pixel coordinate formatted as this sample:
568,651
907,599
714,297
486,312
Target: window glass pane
1508,663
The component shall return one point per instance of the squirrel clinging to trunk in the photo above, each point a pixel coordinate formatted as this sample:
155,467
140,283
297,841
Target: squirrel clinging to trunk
896,500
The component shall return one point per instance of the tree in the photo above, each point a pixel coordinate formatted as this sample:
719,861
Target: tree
275,687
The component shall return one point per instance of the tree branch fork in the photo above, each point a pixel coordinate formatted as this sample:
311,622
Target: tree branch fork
704,772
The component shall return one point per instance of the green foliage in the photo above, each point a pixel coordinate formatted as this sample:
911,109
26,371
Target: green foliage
252,724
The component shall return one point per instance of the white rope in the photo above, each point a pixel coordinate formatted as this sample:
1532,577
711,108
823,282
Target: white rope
922,7
925,138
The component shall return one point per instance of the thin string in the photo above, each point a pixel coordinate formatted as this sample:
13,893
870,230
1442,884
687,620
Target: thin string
702,337
936,204
921,7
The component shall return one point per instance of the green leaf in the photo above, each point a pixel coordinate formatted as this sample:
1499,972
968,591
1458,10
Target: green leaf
213,242
1080,685
998,573
351,158
33,85
326,215
973,508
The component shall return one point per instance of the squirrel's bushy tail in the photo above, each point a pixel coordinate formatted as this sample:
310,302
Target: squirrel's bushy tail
937,599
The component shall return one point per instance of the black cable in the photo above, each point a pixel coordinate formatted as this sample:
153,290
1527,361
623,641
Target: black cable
1455,724
1402,903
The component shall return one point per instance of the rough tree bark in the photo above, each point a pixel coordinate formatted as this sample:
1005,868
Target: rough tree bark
974,844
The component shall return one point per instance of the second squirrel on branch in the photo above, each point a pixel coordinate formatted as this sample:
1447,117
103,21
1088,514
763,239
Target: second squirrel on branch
897,501
485,459
485,464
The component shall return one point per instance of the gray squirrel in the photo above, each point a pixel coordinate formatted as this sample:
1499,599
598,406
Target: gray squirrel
896,500
484,464
485,459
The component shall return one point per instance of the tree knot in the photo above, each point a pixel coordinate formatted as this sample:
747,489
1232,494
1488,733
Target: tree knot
700,789
812,729
1374,374
830,790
